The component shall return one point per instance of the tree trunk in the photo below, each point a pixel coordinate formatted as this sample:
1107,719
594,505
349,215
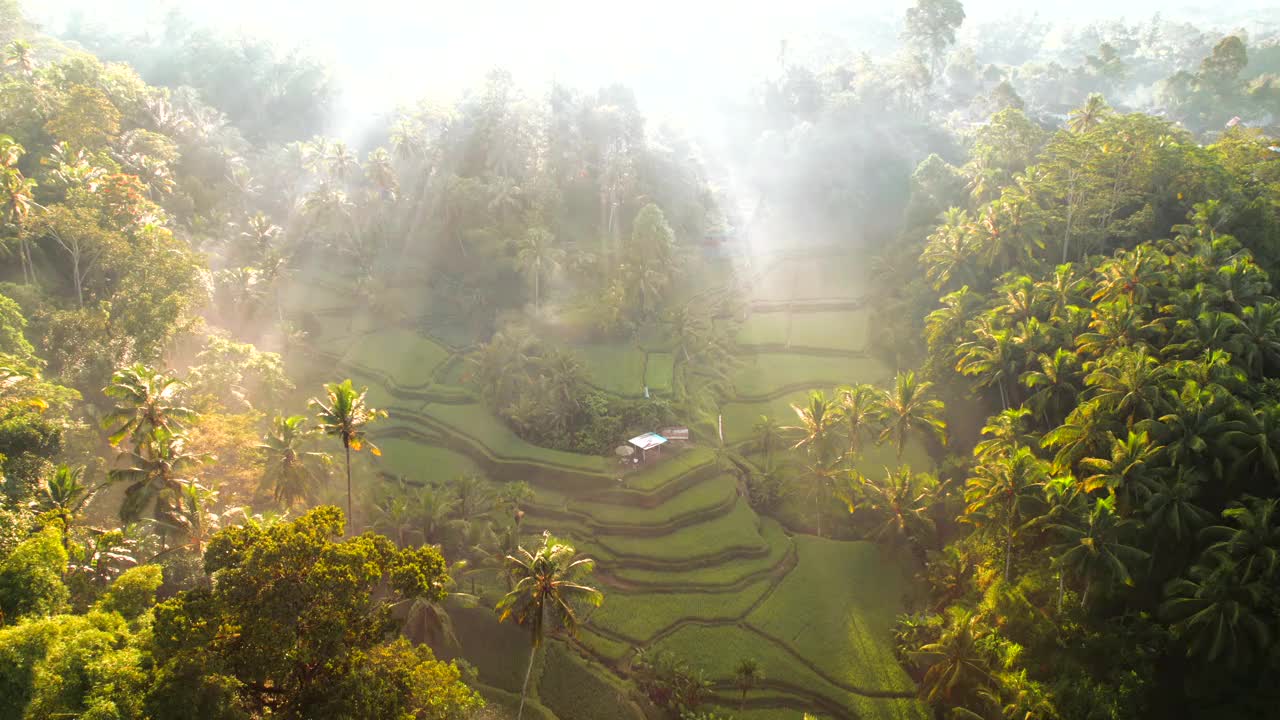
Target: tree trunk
524,689
350,516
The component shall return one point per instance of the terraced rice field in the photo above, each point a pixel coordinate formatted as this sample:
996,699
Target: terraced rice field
685,563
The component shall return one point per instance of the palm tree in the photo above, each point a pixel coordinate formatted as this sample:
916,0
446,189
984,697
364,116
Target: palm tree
291,472
768,433
433,510
998,494
537,255
156,472
1090,115
990,357
146,400
17,55
1054,384
194,519
957,664
950,248
907,408
546,590
1218,611
818,419
1124,472
1005,433
511,497
860,407
746,675
1253,539
1171,509
1084,433
1096,549
900,504
1128,384
65,495
345,414
395,518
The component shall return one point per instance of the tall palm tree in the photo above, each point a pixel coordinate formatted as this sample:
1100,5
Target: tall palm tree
991,357
908,408
950,248
1128,384
537,255
1055,384
1218,611
818,419
146,400
64,494
546,591
860,408
768,434
156,472
345,414
194,517
1171,509
1124,471
746,675
1253,538
289,470
900,504
1090,115
957,665
999,494
1096,549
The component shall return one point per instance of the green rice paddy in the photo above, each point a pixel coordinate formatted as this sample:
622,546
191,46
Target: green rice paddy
686,564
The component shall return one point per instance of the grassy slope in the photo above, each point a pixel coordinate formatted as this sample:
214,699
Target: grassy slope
855,645
767,373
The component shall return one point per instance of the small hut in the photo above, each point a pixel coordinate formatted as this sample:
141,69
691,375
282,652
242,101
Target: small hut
646,442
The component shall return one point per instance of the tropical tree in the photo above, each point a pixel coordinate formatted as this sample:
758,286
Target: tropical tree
146,400
1096,549
1000,496
1171,510
746,675
818,420
156,473
1218,611
957,665
1054,385
1090,115
345,415
546,592
291,471
1124,472
65,494
537,255
768,434
990,357
899,503
1252,540
860,409
908,408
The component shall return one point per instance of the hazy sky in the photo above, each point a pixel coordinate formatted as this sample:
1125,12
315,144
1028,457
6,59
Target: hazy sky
384,52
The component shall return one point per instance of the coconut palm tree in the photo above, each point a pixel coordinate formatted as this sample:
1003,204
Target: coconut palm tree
1252,540
1096,550
345,414
1171,509
1124,471
146,400
64,494
908,408
950,248
768,434
957,665
818,420
746,675
899,504
546,592
991,357
290,471
17,55
999,496
1055,385
860,408
537,256
1090,115
156,472
1218,611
